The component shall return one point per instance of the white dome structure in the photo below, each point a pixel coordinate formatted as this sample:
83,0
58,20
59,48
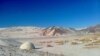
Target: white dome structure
27,46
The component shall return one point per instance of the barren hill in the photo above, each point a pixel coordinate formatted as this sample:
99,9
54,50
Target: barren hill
57,31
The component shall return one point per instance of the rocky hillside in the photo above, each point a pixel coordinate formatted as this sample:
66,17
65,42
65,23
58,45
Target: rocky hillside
57,31
92,29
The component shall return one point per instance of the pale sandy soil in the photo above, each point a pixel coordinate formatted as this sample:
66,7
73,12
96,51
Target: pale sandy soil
66,48
70,50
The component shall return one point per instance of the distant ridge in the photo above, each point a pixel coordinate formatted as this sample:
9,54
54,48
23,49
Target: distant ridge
92,29
56,31
31,32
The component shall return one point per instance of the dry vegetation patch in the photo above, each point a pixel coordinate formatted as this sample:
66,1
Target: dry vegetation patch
74,43
91,47
95,44
86,40
49,45
61,42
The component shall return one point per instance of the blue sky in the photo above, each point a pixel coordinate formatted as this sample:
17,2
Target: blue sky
44,13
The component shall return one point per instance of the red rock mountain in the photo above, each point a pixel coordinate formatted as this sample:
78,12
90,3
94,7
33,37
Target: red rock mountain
55,31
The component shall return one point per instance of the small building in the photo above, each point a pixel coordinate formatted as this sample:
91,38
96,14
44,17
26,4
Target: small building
27,46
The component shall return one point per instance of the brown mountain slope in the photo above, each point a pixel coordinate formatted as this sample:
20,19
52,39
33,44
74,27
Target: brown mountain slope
56,31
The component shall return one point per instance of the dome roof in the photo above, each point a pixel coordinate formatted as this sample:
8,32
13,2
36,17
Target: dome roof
27,46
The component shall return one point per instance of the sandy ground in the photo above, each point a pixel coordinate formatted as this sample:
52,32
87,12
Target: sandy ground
70,50
67,48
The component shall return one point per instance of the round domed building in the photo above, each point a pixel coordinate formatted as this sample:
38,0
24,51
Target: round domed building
27,46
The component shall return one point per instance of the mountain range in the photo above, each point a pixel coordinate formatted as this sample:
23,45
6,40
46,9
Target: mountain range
27,31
